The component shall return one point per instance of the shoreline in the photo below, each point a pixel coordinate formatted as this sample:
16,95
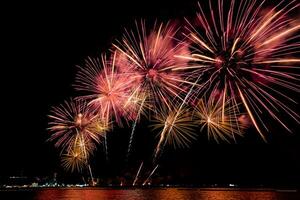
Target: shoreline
254,189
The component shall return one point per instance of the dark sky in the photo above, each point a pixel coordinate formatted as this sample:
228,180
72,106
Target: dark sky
43,44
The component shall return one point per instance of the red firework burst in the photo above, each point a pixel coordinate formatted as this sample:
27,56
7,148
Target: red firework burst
72,122
148,58
108,91
247,54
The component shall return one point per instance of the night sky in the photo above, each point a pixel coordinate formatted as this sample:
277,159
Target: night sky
43,44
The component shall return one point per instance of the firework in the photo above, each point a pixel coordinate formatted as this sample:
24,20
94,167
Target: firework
76,156
220,118
152,172
234,66
133,128
74,160
137,174
73,122
249,54
148,57
107,91
175,128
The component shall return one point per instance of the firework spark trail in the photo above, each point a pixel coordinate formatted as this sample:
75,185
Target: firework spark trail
133,128
84,149
91,174
251,115
137,174
145,182
159,148
105,148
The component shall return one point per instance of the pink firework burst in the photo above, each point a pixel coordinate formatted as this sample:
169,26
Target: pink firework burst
73,121
108,91
248,54
148,58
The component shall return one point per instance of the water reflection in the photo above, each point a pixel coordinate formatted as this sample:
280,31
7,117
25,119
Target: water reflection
160,194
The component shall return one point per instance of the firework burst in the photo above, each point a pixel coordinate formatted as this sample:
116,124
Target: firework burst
175,128
220,119
73,122
77,156
249,54
234,66
108,91
148,57
73,160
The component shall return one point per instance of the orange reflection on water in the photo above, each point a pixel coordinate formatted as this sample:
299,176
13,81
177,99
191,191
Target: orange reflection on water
161,194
